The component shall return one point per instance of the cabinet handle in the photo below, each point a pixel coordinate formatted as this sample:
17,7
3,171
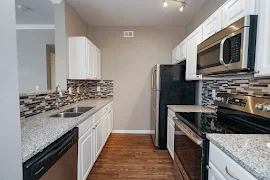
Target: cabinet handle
227,171
208,167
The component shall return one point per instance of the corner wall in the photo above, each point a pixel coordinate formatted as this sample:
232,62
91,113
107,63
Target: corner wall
128,62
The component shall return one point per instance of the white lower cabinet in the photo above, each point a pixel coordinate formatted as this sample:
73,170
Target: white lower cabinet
222,167
99,136
92,138
86,154
170,136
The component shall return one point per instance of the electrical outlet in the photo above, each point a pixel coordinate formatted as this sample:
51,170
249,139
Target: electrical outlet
98,88
37,88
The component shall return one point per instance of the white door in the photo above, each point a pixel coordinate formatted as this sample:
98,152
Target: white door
53,77
99,136
212,25
213,173
262,64
170,136
234,10
193,40
85,154
90,58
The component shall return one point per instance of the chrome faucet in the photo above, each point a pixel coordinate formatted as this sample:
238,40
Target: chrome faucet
58,94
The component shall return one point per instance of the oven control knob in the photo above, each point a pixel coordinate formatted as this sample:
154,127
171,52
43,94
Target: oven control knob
266,107
259,106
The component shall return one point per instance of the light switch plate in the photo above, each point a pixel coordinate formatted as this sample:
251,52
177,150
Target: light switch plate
213,93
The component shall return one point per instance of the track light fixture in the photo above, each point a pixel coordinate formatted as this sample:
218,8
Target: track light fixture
183,4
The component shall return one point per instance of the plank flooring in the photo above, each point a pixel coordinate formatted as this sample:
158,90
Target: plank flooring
132,157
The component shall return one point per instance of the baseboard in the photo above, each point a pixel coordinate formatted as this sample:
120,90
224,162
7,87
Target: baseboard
132,131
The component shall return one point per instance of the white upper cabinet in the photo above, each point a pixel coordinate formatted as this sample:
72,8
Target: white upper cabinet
174,55
193,40
182,54
233,10
262,65
84,59
212,25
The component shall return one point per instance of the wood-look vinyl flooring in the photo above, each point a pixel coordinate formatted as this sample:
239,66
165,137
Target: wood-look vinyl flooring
129,156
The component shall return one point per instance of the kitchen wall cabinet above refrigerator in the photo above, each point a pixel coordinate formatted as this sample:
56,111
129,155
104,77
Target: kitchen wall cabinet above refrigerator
84,59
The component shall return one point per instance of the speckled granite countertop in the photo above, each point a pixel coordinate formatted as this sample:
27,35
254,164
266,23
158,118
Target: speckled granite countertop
250,151
41,130
190,108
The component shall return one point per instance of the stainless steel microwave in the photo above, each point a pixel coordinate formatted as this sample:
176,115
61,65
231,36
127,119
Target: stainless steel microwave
231,50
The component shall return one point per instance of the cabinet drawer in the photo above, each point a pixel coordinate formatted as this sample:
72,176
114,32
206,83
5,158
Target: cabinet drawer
85,126
226,166
98,115
171,114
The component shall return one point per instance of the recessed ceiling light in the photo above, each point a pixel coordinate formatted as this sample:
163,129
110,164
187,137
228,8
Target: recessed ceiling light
23,8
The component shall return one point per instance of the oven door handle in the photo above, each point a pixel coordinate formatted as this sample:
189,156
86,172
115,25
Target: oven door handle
194,137
221,60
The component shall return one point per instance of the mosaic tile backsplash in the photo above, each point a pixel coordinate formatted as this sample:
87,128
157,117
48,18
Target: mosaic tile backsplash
78,90
253,87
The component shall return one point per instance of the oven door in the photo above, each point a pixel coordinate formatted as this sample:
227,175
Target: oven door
187,153
223,55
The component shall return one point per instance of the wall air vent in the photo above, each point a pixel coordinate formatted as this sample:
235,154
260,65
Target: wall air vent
128,34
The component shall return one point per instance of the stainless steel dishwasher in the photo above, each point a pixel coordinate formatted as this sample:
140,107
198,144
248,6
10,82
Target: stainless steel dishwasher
56,162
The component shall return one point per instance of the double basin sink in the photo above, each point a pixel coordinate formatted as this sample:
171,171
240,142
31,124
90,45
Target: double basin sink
72,112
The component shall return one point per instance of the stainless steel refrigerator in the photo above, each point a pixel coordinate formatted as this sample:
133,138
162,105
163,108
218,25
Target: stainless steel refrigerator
168,87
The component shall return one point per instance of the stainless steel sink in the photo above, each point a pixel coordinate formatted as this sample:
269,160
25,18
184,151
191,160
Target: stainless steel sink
67,114
79,109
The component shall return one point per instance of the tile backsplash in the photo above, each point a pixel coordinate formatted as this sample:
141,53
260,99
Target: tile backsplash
36,103
253,87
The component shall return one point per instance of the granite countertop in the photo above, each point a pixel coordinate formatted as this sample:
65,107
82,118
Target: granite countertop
190,108
251,151
41,130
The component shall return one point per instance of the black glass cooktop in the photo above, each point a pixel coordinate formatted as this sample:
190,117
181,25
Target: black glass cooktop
225,121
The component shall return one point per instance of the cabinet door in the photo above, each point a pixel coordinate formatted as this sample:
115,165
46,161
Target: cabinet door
111,119
99,136
107,128
233,10
214,174
95,62
98,64
212,25
182,51
193,40
90,58
262,64
85,155
174,55
170,136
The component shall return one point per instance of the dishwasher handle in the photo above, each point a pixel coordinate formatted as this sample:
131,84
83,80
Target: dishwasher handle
43,161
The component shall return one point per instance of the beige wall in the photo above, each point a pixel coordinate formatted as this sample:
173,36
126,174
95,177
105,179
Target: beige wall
74,24
128,61
207,9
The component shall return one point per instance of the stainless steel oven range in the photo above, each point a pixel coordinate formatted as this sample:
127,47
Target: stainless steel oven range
236,114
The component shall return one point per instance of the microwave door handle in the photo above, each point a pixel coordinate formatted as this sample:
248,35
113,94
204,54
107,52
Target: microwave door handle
221,52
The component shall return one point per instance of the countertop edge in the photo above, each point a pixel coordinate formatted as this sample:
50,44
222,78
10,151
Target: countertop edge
237,160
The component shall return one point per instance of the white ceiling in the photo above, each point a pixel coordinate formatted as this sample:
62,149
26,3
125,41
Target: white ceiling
135,12
41,12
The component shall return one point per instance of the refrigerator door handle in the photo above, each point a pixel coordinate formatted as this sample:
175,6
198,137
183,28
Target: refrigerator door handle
153,99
